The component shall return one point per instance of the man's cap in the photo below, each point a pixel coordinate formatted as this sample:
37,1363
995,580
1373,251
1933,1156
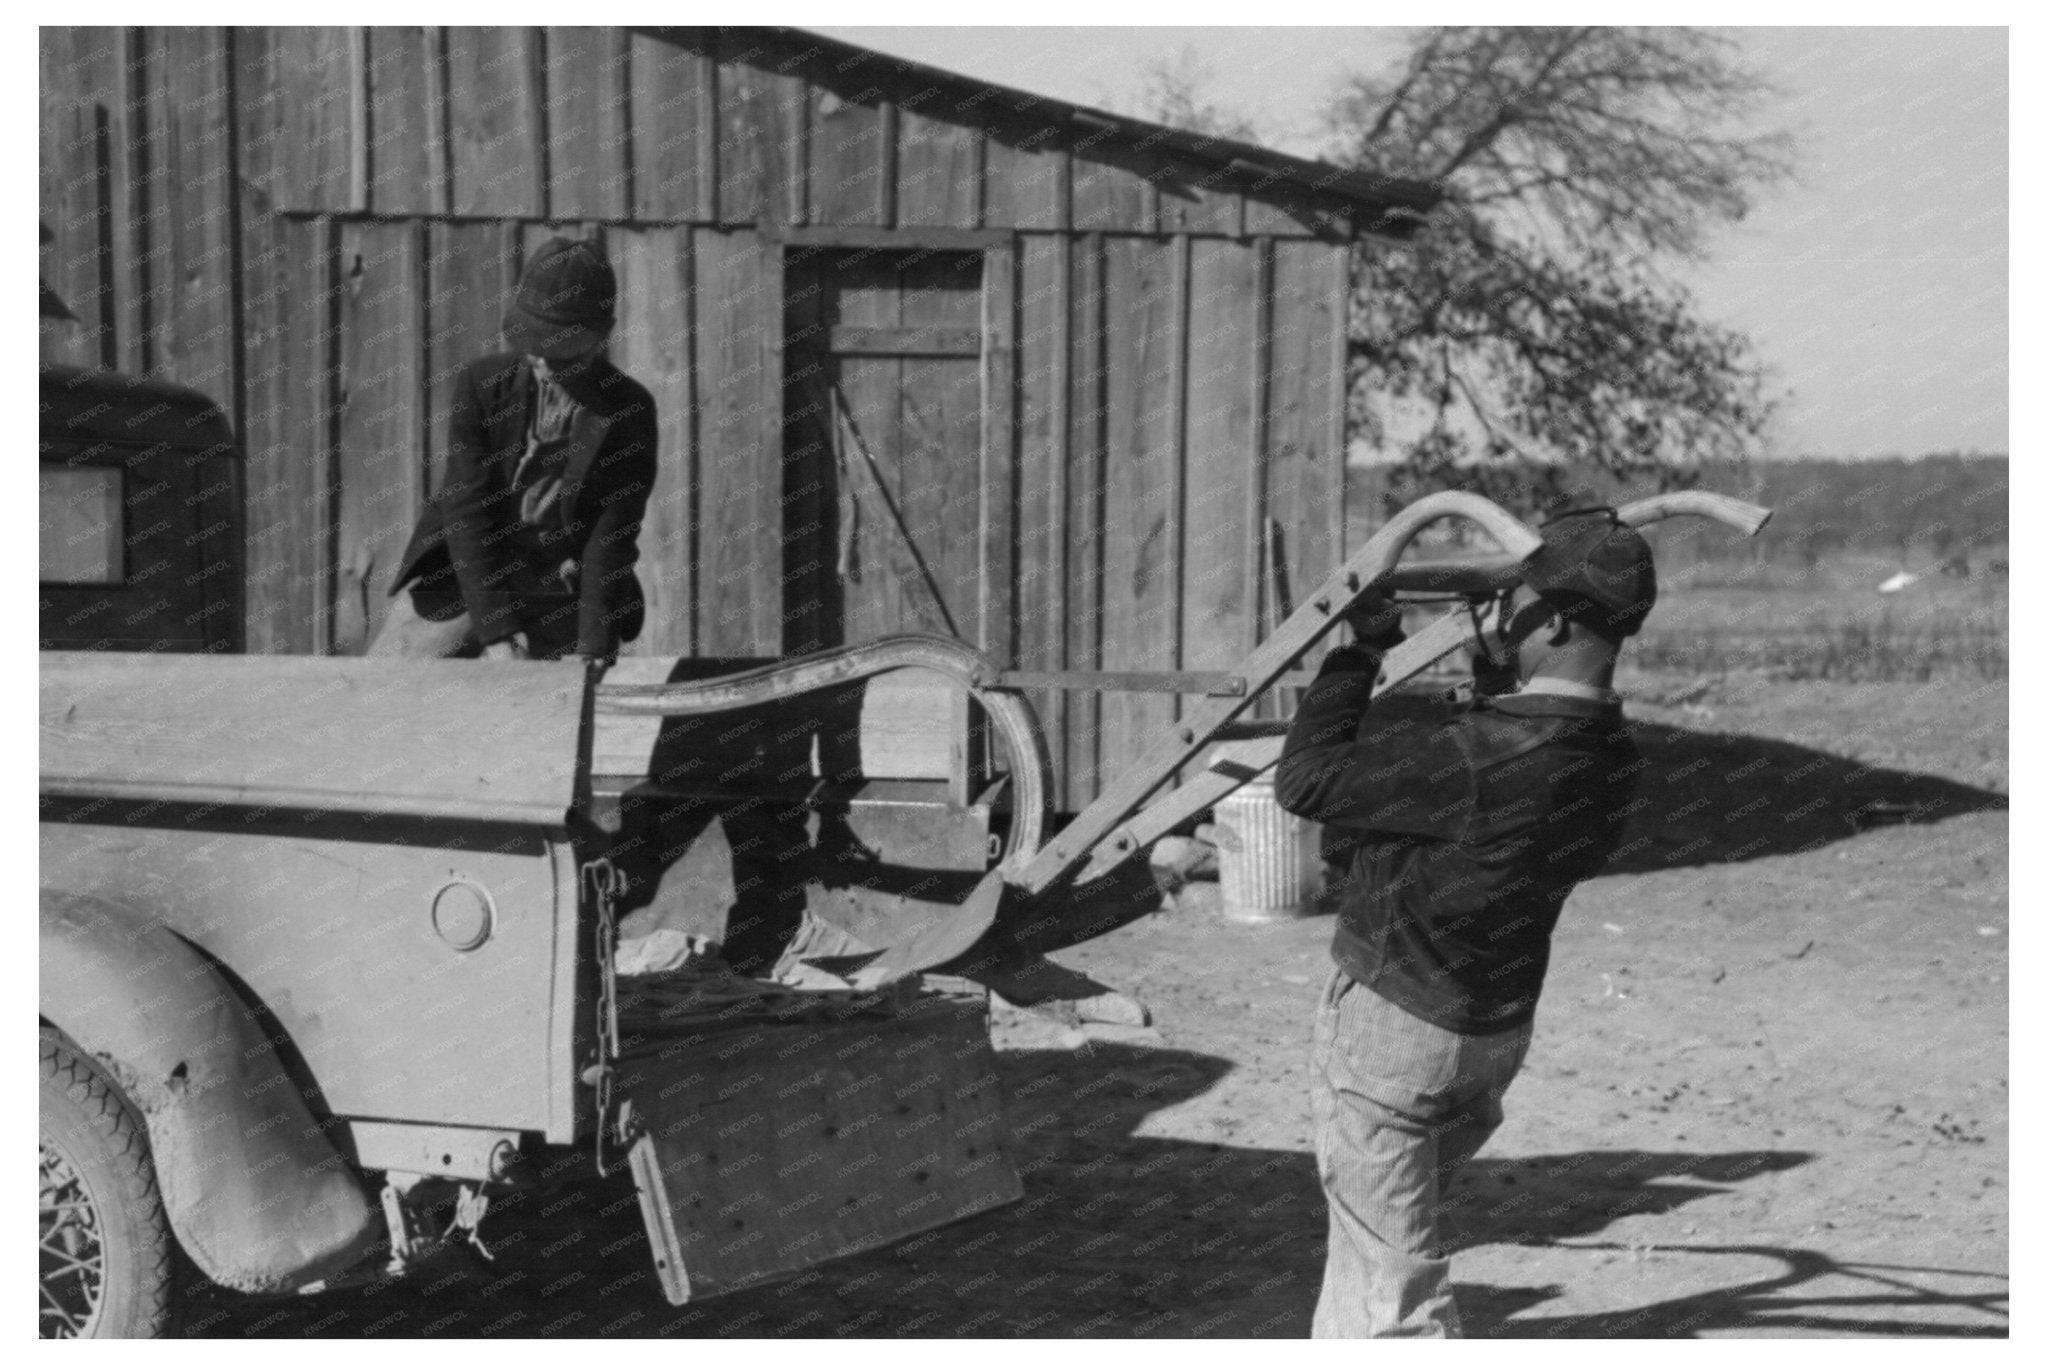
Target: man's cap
566,293
1595,569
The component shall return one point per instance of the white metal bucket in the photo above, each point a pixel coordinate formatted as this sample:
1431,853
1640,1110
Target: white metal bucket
1267,860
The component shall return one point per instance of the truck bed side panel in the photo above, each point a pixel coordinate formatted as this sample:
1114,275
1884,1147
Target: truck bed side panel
351,932
385,736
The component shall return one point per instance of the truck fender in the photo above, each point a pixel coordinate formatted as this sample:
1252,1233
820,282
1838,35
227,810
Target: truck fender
259,1198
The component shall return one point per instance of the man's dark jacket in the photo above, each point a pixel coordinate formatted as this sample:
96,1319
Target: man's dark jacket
471,530
1470,832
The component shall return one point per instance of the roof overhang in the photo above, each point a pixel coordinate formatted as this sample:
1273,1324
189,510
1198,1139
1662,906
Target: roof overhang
1380,204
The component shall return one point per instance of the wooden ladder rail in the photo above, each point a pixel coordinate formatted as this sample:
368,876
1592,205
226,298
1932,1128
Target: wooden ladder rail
1100,824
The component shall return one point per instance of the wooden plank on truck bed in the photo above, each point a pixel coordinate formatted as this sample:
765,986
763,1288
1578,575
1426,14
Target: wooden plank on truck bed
899,731
392,736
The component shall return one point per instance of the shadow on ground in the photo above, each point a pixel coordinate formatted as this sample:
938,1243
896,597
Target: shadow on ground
1709,798
1768,1304
1118,1235
1704,798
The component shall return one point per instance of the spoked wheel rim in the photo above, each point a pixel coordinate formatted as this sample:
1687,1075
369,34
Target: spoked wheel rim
74,1257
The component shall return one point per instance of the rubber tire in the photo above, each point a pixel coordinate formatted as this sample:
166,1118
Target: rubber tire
87,1119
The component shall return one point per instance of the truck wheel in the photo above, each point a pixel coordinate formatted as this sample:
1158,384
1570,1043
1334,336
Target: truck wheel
106,1245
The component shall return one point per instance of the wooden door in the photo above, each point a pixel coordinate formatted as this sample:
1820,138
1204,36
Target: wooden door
887,514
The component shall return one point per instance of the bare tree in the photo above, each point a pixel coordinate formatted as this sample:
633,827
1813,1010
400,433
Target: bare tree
1174,95
1533,328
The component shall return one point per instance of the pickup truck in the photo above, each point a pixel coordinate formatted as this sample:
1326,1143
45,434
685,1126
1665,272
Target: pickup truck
326,941
328,947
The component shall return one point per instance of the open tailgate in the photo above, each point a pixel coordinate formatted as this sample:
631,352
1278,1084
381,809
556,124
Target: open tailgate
769,1138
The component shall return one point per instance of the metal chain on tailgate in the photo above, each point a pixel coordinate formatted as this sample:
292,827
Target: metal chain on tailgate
602,884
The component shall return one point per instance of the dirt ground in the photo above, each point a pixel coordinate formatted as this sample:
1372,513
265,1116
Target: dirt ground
1767,1097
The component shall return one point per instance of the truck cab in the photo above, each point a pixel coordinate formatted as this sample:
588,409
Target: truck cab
139,499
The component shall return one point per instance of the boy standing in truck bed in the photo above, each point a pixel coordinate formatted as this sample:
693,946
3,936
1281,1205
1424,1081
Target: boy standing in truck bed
528,549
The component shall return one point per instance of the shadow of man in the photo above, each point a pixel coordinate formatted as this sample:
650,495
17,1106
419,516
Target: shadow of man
1720,798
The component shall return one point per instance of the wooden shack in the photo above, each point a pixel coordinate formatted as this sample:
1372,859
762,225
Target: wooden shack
929,353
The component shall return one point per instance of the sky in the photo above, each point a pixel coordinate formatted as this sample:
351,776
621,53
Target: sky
1874,288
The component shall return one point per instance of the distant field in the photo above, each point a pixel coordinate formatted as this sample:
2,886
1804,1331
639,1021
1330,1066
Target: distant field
1831,623
1801,600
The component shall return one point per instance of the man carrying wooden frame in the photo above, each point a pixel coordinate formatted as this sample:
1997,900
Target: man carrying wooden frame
1470,833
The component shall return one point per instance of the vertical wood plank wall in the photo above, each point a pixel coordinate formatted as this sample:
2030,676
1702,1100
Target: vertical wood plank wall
318,227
